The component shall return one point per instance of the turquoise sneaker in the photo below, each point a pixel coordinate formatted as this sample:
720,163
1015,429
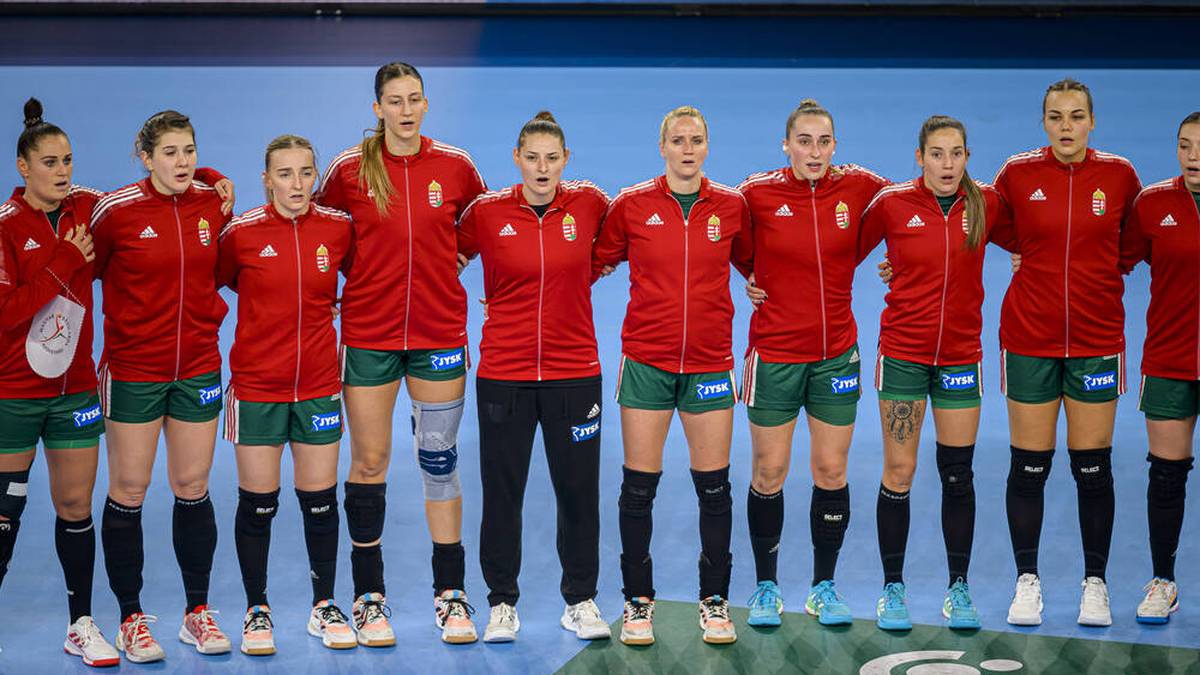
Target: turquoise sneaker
825,604
958,608
765,605
892,611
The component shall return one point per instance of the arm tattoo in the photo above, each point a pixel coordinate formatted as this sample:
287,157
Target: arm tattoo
904,419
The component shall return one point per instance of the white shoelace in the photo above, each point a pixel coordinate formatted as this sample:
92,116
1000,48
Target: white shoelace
506,615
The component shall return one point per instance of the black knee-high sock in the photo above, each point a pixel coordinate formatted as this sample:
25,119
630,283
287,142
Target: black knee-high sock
636,521
320,512
1165,498
8,541
194,531
764,514
366,505
1024,499
1094,484
75,541
958,506
716,530
121,536
449,566
891,520
252,537
828,516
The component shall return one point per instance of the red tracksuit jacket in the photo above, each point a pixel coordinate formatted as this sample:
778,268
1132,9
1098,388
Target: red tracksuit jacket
35,266
402,291
680,315
537,279
285,273
156,255
1164,230
1065,301
805,240
933,312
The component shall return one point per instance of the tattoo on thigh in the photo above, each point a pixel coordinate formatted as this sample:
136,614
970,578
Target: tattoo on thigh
904,419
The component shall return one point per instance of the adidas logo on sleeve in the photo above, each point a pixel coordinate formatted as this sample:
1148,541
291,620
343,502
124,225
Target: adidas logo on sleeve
783,211
508,230
1169,221
267,252
31,244
916,221
1037,196
148,233
654,220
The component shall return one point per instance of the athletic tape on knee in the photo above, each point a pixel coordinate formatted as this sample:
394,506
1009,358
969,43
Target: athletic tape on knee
954,467
14,486
435,436
319,510
1168,479
638,489
365,505
1028,471
1092,470
712,490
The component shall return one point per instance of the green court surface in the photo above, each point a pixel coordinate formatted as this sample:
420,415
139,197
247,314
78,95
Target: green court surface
801,645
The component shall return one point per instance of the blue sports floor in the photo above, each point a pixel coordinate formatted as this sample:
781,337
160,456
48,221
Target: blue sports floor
611,117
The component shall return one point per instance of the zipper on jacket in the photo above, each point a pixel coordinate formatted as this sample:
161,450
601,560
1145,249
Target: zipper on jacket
683,343
937,350
299,309
408,286
59,242
541,286
820,275
1067,264
1197,207
179,321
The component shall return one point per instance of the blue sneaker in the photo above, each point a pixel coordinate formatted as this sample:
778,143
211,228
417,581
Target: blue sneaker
825,604
958,609
765,605
892,611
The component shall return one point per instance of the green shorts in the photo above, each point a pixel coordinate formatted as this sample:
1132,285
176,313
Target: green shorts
829,389
196,399
946,386
316,421
648,388
371,367
1167,399
70,421
1036,379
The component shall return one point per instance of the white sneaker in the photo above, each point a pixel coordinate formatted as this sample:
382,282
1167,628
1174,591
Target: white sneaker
637,623
503,624
85,640
1093,606
1026,607
452,614
1162,598
584,619
329,623
714,621
200,630
135,640
371,613
258,634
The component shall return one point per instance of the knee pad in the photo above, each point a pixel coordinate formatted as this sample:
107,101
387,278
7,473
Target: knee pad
14,487
319,510
829,515
1168,479
712,489
365,504
435,436
255,511
1092,470
1028,471
954,466
637,492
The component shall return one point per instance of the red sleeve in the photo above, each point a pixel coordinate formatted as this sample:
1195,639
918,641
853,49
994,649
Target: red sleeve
474,184
227,264
351,247
1000,225
102,246
18,303
612,246
743,244
468,242
1135,247
332,192
209,175
870,231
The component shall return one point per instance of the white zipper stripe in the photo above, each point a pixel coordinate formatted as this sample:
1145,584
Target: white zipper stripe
299,308
408,286
1067,266
820,274
179,320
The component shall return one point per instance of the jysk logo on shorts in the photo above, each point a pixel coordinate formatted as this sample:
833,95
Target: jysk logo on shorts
582,432
86,417
710,390
958,381
327,422
847,384
446,360
210,394
1100,381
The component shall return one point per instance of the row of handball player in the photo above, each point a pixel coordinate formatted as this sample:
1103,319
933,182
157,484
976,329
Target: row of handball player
400,214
